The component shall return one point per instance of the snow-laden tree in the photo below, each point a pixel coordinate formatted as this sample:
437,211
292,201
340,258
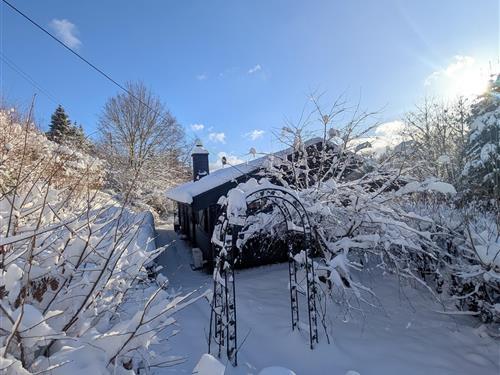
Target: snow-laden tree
370,214
75,295
355,205
482,171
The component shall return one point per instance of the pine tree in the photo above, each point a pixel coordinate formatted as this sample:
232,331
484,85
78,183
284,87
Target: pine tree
60,126
64,132
482,169
77,137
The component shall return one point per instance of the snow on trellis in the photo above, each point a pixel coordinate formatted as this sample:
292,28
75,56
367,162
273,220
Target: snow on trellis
244,207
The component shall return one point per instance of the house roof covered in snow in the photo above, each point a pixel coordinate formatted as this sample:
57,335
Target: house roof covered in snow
185,193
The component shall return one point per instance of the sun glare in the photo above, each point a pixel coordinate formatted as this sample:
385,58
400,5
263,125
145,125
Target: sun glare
464,76
470,81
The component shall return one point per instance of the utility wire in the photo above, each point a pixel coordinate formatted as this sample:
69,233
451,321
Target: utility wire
65,46
34,83
100,71
27,77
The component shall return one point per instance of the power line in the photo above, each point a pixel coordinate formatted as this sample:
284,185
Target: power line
34,83
100,71
65,46
27,77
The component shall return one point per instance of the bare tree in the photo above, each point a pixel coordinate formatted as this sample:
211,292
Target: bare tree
436,134
142,141
339,134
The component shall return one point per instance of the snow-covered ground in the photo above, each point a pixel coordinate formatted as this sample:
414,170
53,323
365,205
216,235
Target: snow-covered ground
404,339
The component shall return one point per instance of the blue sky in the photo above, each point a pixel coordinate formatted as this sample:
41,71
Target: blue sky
240,68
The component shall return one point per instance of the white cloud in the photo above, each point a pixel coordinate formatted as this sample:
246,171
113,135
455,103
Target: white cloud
390,129
67,32
231,160
387,135
197,127
462,76
255,69
459,63
255,134
217,137
202,77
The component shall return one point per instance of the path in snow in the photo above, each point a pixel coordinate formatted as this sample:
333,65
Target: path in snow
407,341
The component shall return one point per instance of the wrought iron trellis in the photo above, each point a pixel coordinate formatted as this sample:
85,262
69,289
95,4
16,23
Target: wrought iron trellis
223,324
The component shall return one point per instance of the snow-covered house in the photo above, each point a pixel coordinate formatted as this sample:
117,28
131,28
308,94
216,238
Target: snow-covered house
197,200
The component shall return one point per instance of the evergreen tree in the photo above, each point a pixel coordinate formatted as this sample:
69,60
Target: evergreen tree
64,132
482,170
60,126
77,137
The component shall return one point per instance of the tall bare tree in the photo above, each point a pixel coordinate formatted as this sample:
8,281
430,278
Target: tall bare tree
436,134
142,141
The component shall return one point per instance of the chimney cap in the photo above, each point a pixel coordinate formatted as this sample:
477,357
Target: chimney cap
199,149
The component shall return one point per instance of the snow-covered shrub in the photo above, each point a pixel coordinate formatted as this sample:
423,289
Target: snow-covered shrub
470,265
361,228
370,213
478,276
355,204
75,296
354,228
26,155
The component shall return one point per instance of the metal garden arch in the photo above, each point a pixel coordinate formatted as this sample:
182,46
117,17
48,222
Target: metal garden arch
223,323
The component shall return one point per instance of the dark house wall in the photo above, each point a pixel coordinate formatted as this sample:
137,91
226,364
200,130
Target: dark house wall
198,226
197,220
204,228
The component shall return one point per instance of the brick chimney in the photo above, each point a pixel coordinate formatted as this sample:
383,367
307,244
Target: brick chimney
200,161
